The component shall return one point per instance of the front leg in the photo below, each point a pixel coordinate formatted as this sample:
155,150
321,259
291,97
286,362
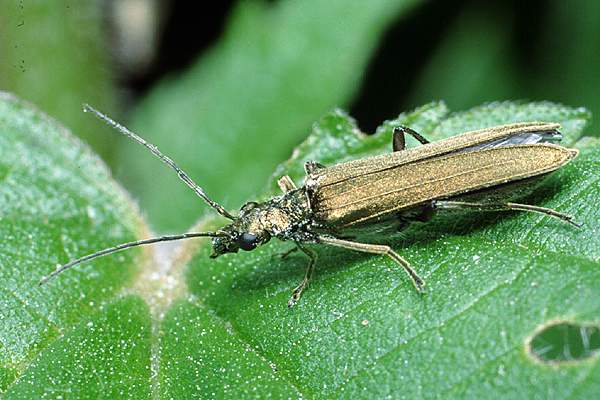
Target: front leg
310,269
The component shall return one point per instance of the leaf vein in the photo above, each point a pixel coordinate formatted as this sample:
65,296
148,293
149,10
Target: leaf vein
436,327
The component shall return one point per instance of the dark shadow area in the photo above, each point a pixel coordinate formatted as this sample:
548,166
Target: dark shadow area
188,31
407,48
402,52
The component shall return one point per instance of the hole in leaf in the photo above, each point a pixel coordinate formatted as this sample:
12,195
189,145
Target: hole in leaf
564,342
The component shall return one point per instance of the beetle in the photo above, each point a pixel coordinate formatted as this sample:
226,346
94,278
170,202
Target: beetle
482,170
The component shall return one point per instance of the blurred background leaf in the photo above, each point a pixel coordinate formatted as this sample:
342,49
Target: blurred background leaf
235,114
464,68
54,54
547,50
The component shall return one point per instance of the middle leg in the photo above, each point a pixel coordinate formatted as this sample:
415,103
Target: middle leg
310,269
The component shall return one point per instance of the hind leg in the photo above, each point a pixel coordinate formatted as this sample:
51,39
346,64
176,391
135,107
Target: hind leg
463,205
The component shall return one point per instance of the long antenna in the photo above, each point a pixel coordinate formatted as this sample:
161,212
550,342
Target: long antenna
182,175
124,246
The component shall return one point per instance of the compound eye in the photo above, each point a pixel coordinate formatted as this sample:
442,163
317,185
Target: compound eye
247,241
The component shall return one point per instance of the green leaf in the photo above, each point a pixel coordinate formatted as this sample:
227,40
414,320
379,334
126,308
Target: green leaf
202,355
57,202
235,114
178,325
107,357
105,328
